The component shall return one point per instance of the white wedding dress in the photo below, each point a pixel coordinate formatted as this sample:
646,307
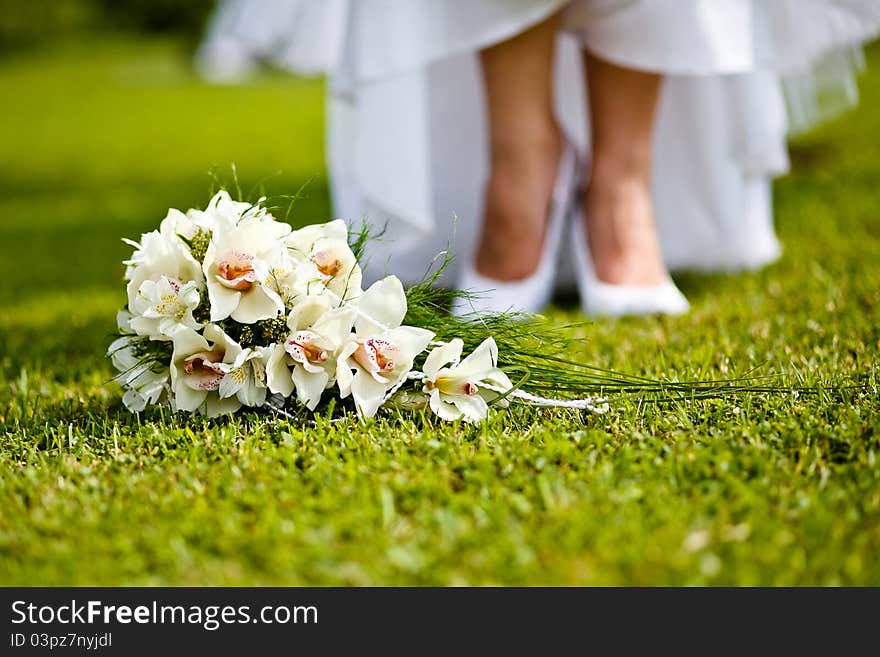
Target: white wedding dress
407,138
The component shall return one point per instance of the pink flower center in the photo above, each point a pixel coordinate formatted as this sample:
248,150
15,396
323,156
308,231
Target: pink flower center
303,348
202,370
328,264
377,355
236,271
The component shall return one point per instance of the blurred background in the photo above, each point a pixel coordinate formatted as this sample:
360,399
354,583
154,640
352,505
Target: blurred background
105,125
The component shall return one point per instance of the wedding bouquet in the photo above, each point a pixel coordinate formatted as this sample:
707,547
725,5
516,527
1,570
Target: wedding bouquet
228,306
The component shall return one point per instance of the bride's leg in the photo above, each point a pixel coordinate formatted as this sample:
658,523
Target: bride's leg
525,145
620,222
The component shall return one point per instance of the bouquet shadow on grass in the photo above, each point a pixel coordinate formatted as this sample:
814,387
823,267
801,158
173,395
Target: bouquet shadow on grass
525,360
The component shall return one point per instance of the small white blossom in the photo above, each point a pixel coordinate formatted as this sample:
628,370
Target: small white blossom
162,305
245,377
456,388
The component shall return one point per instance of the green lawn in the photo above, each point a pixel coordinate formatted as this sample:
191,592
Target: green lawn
99,139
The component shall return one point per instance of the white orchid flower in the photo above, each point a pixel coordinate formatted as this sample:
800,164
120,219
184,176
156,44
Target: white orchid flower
456,387
324,249
239,260
380,354
157,255
306,362
197,371
162,305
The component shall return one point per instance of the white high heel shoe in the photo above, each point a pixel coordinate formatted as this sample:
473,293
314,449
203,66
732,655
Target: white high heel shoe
533,293
600,299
